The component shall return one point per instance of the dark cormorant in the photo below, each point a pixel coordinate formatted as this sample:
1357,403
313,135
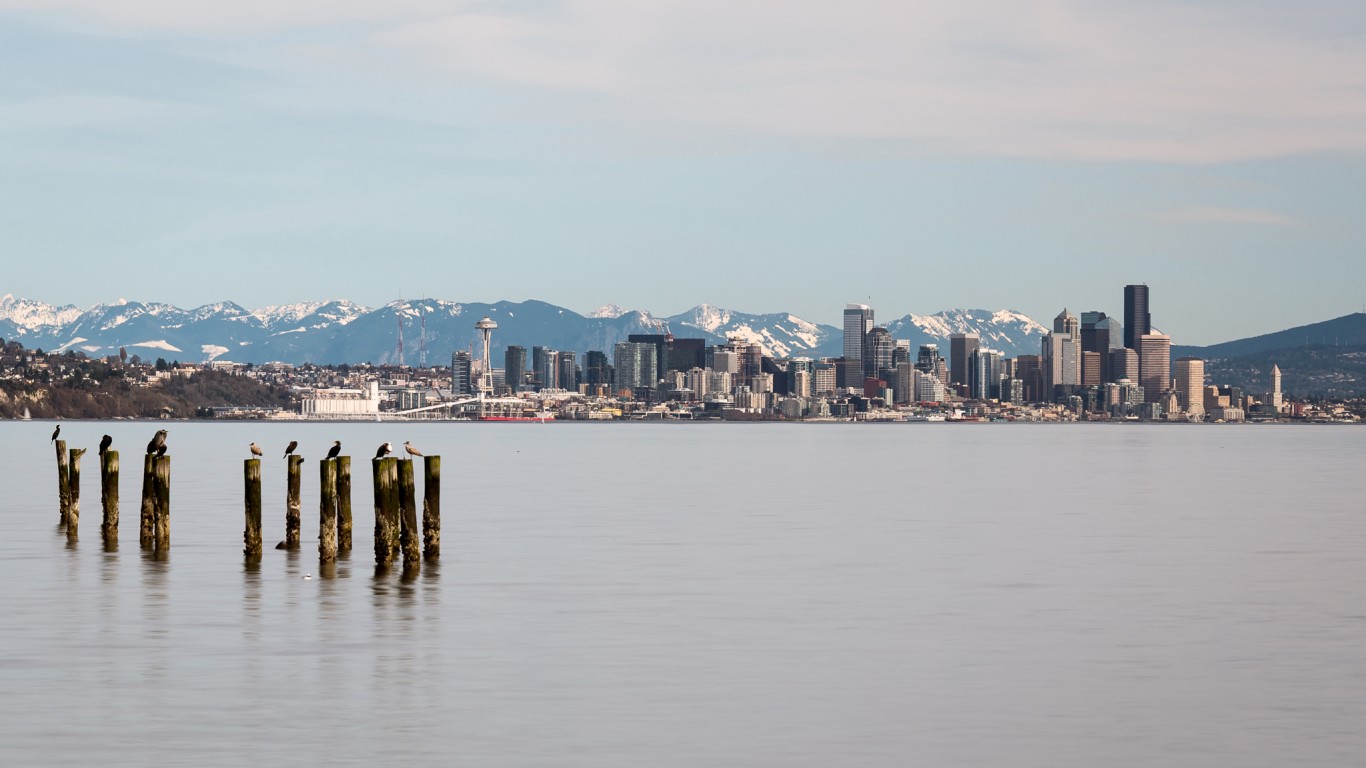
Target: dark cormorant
105,442
384,450
335,450
158,443
290,448
56,432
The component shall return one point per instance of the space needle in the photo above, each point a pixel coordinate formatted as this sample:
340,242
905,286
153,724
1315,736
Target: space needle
486,327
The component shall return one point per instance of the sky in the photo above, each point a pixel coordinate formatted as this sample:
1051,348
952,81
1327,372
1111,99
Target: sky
762,156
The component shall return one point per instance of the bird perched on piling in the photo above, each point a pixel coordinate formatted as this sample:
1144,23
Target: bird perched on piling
384,450
255,449
158,443
289,449
334,451
410,450
56,432
105,442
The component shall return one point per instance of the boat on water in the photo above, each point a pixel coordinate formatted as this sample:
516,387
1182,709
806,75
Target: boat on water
27,416
538,416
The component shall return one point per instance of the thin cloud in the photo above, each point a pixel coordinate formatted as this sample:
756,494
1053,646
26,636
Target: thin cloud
1156,81
1228,216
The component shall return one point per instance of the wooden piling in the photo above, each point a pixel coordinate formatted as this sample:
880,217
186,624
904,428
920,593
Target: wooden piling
251,534
293,502
327,510
63,483
109,495
146,530
431,507
344,503
161,472
73,481
385,473
408,532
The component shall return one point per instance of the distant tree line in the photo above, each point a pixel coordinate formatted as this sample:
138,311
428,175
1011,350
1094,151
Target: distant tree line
71,385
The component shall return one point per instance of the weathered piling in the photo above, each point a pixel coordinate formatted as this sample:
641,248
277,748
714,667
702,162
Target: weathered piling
63,483
109,495
385,473
344,503
73,480
327,510
408,532
161,472
251,534
293,501
431,507
146,529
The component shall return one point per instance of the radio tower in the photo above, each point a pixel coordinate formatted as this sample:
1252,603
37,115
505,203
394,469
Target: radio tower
422,343
399,349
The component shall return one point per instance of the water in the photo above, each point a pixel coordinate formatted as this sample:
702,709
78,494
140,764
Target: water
709,595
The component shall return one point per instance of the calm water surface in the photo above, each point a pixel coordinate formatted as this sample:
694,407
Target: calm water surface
708,595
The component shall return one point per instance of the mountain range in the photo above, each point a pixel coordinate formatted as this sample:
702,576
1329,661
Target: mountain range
336,332
1327,358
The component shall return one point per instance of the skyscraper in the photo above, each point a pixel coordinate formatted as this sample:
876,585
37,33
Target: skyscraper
1062,354
877,352
1154,365
1190,386
514,366
858,321
1138,321
961,346
1100,334
1275,398
460,374
634,365
596,371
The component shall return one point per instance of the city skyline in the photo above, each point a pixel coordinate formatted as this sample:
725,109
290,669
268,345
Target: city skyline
917,156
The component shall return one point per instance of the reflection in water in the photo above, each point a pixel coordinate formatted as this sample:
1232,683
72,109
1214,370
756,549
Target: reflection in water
111,543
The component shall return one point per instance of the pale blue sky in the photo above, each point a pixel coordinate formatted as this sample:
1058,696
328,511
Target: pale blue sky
779,156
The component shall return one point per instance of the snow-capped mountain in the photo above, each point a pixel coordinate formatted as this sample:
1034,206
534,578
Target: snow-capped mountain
780,335
345,332
1013,333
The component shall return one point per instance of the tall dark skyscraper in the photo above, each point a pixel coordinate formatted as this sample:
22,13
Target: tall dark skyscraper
514,366
1138,321
961,347
596,371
